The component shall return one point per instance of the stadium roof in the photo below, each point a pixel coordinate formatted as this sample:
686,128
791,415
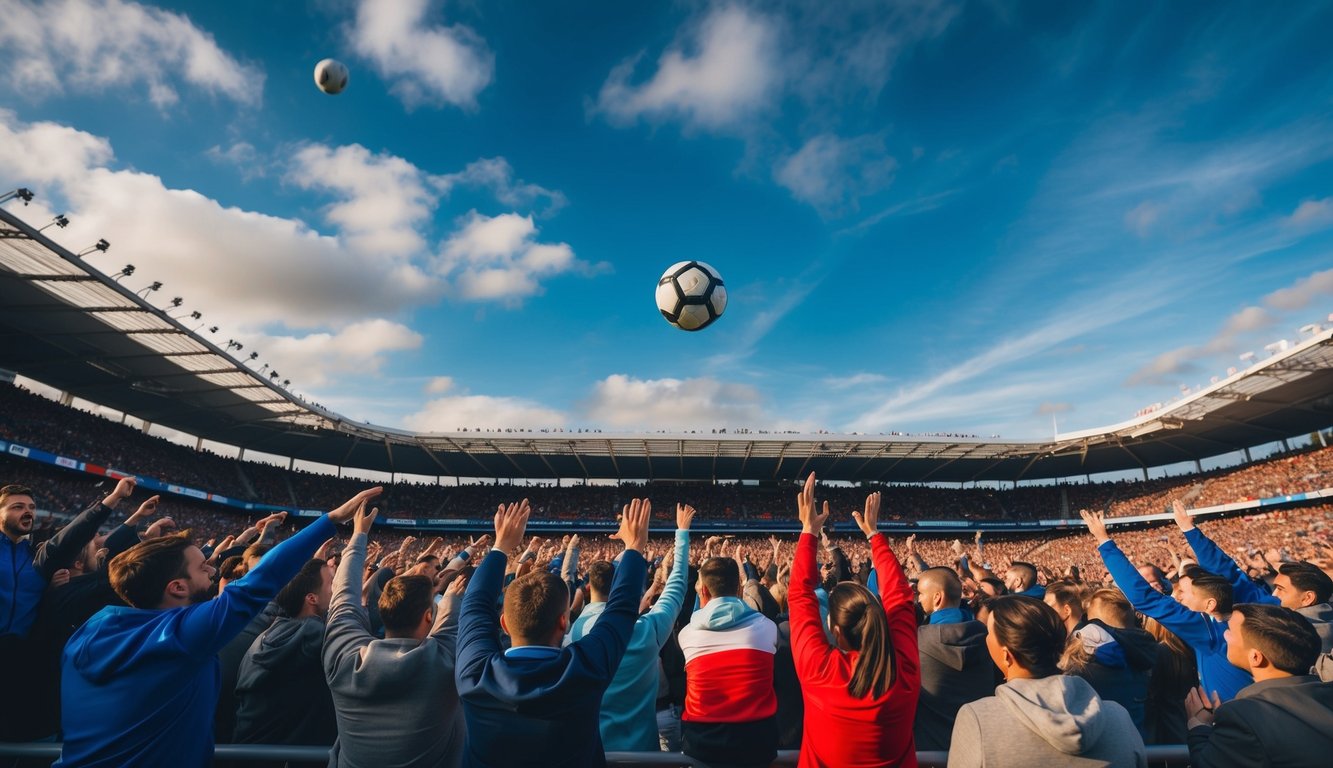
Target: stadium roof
70,326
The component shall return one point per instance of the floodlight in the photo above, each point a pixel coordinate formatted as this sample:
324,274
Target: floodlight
102,245
125,271
59,221
22,193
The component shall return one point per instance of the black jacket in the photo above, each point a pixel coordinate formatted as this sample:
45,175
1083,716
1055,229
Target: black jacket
281,694
1284,722
956,669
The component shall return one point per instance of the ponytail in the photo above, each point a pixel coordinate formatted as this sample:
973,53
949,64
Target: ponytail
860,617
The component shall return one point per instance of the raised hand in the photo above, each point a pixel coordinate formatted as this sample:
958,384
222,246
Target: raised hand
510,523
811,520
684,516
634,525
458,586
160,527
1181,516
123,490
276,517
363,520
1096,522
348,509
910,545
868,521
145,510
481,541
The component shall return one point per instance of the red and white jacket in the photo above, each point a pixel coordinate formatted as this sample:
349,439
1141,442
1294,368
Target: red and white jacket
729,649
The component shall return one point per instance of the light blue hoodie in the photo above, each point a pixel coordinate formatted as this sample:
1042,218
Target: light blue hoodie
629,715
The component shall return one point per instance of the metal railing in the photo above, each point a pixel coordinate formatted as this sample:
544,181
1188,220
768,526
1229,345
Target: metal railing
1165,756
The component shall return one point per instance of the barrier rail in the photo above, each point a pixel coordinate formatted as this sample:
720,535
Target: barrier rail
1165,756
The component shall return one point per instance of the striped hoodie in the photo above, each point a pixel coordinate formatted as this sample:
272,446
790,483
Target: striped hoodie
729,650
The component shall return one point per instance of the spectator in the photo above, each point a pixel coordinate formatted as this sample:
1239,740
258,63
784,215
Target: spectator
1066,599
1198,619
1021,579
281,694
1113,654
1174,675
396,699
537,703
1039,717
1285,717
139,684
1306,589
955,665
629,714
861,690
730,716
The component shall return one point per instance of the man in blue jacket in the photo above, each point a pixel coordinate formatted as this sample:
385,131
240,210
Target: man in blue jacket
537,704
139,684
1199,620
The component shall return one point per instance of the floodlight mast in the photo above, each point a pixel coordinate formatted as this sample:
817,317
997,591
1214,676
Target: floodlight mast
22,193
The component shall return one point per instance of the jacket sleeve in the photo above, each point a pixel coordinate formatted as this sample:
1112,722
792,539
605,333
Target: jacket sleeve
59,551
1231,740
602,648
809,646
207,627
122,539
662,616
1194,628
479,622
348,623
1214,560
895,593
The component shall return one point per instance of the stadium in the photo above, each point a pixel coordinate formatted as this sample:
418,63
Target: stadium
82,333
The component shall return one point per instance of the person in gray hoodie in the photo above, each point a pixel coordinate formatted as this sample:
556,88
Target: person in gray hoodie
955,666
281,694
396,701
1039,717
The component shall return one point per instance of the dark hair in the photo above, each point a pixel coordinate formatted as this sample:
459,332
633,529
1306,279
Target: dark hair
1213,586
1032,632
307,581
404,601
14,489
534,603
859,615
1028,571
256,550
996,584
1307,577
232,568
600,575
720,577
1283,636
142,572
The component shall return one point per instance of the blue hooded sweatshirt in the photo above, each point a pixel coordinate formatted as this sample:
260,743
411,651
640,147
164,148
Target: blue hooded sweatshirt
140,686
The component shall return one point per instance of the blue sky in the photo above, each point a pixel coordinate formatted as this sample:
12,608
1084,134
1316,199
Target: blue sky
931,216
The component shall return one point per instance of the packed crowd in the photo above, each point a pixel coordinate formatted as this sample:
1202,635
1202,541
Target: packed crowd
37,421
141,643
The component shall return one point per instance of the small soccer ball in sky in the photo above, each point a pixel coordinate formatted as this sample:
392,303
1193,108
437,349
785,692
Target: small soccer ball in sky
331,76
691,295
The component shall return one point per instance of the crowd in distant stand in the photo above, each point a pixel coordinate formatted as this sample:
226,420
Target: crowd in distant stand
136,643
40,422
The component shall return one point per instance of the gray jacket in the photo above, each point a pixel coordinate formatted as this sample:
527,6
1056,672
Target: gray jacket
1284,722
1056,721
1321,616
955,669
396,701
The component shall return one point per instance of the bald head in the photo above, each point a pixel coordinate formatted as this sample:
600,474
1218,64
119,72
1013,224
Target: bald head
939,588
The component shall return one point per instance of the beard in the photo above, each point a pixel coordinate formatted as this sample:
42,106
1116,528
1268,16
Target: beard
18,526
201,595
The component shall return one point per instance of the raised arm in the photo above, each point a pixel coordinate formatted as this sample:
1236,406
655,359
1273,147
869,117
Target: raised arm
1214,560
663,613
810,646
348,623
604,645
479,624
895,595
61,549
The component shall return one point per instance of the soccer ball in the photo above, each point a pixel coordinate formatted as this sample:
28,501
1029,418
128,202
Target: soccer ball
691,295
331,76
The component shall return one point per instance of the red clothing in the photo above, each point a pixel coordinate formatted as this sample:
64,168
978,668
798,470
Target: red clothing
841,731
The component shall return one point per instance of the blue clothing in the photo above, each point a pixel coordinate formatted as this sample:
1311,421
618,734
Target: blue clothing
140,686
1214,560
1200,631
25,570
629,707
1036,590
949,616
539,711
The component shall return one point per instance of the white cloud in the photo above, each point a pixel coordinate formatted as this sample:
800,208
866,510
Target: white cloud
720,72
383,199
455,412
439,385
430,65
1049,408
86,46
1312,213
319,359
496,175
621,401
498,258
1141,218
1302,292
243,156
832,173
1167,367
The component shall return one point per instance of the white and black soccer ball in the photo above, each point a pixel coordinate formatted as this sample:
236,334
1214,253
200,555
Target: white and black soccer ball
331,76
691,295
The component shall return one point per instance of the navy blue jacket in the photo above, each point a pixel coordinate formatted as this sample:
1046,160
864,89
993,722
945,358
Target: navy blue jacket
540,709
25,569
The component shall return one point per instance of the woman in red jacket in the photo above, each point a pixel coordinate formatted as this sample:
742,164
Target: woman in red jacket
861,690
